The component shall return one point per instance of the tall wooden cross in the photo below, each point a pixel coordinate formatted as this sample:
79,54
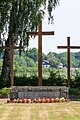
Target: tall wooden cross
40,33
11,47
68,47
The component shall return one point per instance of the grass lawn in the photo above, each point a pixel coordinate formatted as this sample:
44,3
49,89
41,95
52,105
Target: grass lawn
40,111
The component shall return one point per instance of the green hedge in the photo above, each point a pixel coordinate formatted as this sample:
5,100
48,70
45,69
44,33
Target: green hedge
74,91
32,81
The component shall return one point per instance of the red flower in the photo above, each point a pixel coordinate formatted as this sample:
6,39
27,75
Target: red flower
32,100
52,100
56,100
37,100
23,100
47,100
28,100
43,100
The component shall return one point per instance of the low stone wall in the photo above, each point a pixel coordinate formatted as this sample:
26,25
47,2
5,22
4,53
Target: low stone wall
38,92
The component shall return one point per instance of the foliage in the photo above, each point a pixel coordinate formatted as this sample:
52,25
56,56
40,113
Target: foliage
63,58
54,61
54,58
27,62
23,15
52,80
74,91
30,59
26,70
56,79
33,54
5,90
6,83
75,83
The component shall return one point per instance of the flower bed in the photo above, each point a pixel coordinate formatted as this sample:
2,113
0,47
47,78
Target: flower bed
37,100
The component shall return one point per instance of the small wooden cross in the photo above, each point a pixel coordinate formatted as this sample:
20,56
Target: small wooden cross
40,33
68,47
11,48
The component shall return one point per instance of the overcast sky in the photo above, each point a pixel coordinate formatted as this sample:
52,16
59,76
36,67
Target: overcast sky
66,23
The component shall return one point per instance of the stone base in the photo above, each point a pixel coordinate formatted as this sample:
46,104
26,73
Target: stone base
38,92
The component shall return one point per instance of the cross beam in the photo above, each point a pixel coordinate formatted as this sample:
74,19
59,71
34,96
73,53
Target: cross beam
40,33
11,47
68,47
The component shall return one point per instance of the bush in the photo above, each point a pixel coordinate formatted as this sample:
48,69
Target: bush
5,91
74,91
56,79
24,81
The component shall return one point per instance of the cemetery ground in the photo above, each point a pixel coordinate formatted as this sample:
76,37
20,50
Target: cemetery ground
40,111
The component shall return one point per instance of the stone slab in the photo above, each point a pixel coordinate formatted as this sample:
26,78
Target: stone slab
38,92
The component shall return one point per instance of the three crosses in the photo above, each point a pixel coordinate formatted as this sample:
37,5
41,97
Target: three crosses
40,33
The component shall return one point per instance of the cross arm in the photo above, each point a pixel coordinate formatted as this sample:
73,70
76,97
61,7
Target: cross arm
75,47
62,47
71,47
48,33
43,33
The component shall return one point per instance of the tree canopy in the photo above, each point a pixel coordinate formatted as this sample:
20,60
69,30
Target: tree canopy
19,16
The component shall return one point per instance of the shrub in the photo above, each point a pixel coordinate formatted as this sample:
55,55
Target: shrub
74,91
5,91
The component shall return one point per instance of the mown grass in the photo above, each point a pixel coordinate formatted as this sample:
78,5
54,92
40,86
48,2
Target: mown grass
40,111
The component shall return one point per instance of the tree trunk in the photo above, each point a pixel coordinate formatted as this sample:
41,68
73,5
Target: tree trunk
6,66
5,74
12,36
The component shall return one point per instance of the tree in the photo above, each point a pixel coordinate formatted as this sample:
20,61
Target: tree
16,18
52,58
33,54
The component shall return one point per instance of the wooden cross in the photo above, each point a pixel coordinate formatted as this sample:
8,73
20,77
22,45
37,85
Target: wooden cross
68,47
40,33
11,47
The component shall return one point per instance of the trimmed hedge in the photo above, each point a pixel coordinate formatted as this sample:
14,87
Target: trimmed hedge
32,81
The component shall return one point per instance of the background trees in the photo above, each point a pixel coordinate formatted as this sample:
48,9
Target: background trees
29,58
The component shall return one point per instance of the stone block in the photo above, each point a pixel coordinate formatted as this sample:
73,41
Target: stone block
38,92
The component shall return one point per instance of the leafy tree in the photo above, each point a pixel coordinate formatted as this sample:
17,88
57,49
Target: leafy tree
54,61
33,54
16,18
63,58
77,55
74,62
30,62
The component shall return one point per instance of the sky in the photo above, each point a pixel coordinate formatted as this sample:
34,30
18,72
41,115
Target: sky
66,24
